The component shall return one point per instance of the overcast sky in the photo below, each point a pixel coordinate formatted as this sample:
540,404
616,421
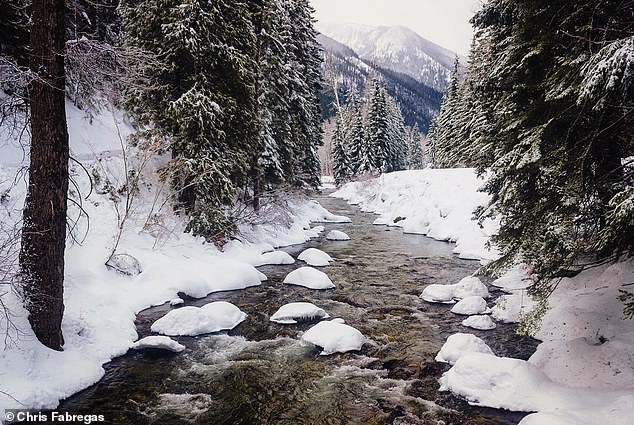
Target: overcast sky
445,22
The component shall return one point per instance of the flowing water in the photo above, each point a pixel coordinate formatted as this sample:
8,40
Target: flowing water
260,372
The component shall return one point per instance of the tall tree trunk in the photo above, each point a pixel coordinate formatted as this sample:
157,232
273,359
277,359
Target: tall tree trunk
44,231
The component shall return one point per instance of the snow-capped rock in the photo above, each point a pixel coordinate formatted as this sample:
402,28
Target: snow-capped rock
310,278
275,257
124,264
337,235
315,257
471,305
177,301
158,342
334,337
459,344
192,321
293,312
480,322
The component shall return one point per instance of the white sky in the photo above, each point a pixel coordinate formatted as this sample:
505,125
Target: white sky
445,22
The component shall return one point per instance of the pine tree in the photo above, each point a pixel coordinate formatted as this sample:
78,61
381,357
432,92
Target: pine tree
415,155
397,147
199,95
377,131
357,144
558,140
44,215
342,164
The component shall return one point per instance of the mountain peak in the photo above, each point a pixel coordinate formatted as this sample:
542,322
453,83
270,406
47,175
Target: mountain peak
398,48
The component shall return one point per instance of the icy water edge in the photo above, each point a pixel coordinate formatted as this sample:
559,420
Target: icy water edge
260,373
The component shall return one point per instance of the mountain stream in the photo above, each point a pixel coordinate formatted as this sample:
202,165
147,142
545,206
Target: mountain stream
261,373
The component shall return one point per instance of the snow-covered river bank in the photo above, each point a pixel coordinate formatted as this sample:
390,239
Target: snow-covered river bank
261,372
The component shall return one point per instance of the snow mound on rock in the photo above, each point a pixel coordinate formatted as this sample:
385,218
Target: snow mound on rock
480,322
334,337
176,301
293,312
470,286
337,235
275,257
192,321
471,305
158,342
125,264
436,293
446,294
315,257
457,345
310,278
318,229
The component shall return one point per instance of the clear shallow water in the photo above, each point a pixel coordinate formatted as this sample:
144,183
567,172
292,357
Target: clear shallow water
260,373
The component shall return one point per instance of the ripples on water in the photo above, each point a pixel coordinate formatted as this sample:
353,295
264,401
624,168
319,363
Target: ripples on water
261,373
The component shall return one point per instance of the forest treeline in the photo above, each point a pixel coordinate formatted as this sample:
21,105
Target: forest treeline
371,136
546,110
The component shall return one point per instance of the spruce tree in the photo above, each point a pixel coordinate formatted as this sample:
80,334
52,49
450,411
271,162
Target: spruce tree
199,94
377,156
357,144
558,141
306,86
397,148
341,156
273,150
415,155
444,139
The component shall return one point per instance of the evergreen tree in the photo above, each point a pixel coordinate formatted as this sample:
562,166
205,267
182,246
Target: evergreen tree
199,94
342,164
44,214
545,107
377,155
272,31
397,147
287,69
358,147
443,135
306,86
415,160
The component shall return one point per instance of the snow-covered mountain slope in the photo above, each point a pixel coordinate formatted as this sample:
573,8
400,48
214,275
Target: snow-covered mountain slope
397,48
419,102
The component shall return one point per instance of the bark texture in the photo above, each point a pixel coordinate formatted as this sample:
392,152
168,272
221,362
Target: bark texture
44,228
